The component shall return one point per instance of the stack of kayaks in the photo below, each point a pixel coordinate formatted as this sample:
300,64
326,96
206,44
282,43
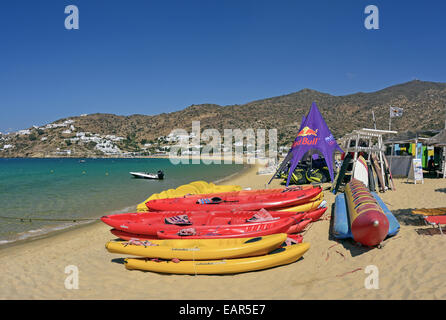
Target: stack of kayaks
210,256
195,187
245,228
210,224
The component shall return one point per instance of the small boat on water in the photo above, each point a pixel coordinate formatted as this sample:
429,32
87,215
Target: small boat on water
147,175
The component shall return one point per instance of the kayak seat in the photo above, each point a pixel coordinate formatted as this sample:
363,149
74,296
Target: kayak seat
253,240
213,200
180,220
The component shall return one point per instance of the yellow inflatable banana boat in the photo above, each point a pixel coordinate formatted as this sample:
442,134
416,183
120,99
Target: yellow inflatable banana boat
277,257
196,187
200,249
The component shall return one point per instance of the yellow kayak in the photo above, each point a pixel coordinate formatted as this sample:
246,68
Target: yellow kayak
200,249
430,212
311,205
195,187
277,257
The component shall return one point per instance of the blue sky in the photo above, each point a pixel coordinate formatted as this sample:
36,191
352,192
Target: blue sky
149,57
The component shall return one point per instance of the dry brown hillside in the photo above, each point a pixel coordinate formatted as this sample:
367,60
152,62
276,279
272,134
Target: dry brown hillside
424,106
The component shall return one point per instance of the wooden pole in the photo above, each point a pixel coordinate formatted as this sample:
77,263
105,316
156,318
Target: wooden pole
390,118
381,161
374,121
444,162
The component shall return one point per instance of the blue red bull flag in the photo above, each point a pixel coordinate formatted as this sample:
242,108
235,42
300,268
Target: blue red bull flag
313,134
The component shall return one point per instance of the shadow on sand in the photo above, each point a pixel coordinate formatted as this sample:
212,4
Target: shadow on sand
428,231
118,260
348,244
406,217
441,190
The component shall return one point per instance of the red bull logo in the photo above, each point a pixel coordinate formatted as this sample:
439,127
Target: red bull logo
307,132
305,141
304,137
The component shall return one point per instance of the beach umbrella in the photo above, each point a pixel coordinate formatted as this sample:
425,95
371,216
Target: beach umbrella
438,140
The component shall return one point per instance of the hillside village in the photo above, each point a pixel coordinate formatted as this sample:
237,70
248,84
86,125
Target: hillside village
72,142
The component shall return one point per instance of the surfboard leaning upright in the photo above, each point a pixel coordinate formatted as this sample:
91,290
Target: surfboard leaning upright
378,172
361,171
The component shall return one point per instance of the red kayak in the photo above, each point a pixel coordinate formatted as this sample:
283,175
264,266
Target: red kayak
151,223
307,218
236,203
245,230
243,193
316,214
436,219
298,227
297,238
131,236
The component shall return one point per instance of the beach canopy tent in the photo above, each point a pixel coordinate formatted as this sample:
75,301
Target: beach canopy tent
288,157
413,143
313,135
409,137
438,140
418,138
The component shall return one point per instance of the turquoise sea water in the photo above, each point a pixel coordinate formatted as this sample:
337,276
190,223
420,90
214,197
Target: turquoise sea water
71,188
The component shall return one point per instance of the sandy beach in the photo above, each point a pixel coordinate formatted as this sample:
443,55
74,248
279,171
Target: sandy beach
411,264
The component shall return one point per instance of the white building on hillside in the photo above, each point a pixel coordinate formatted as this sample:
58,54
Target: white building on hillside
113,137
107,147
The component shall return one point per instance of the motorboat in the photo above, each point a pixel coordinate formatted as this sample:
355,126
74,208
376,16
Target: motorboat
148,175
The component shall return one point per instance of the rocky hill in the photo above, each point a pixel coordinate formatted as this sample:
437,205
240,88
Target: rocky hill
424,106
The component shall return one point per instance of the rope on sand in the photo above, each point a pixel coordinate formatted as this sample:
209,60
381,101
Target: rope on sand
23,219
341,275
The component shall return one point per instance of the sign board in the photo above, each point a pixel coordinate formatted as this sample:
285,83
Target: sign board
416,171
